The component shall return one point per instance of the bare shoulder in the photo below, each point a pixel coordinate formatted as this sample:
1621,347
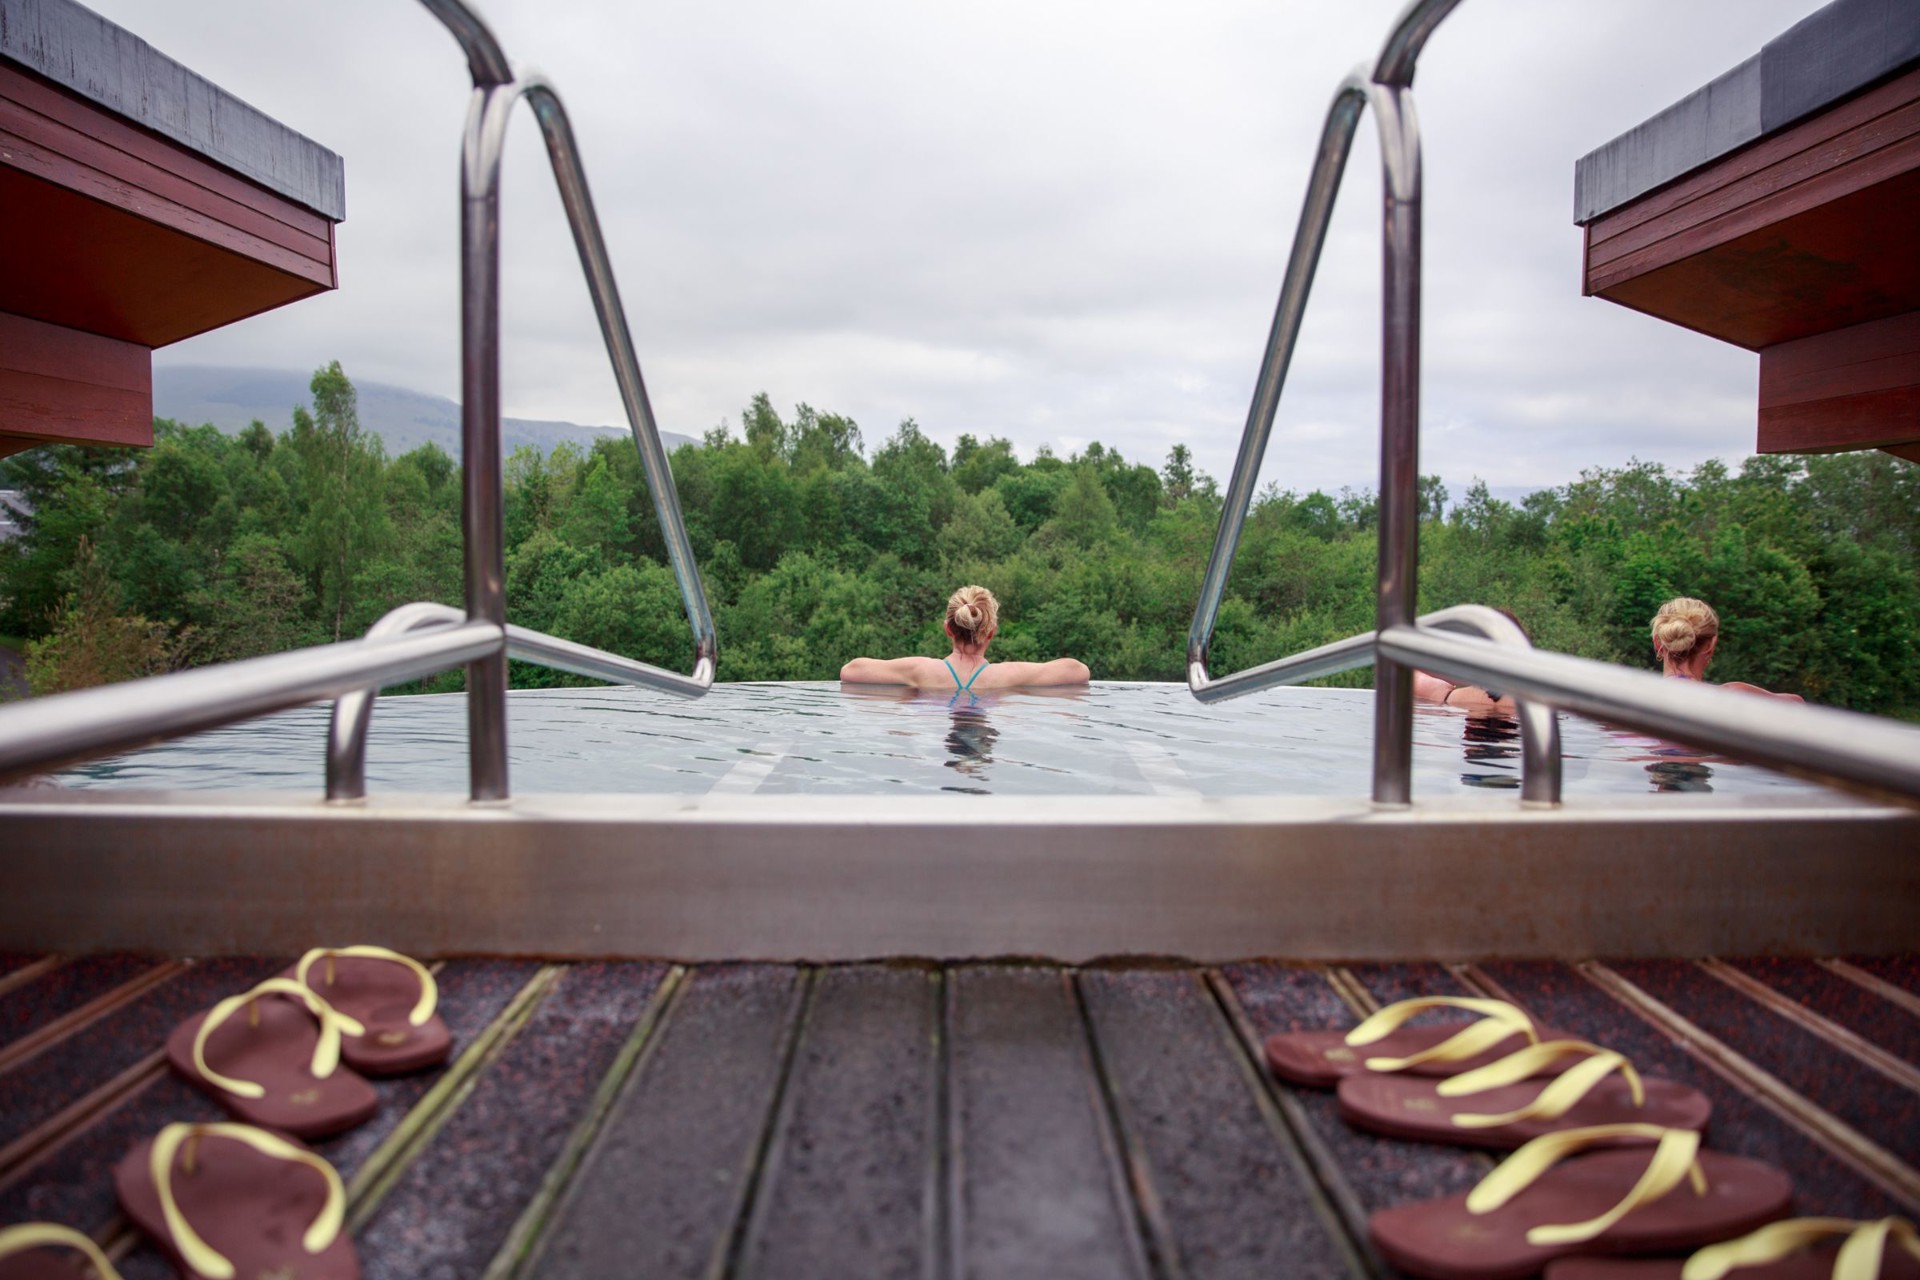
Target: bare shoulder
922,673
1009,675
1741,686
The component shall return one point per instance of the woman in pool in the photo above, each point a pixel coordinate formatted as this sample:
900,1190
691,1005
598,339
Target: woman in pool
1685,632
973,615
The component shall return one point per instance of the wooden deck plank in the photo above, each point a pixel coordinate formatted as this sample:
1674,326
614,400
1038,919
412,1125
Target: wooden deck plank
58,992
17,966
851,1182
70,1182
451,1210
1235,1200
1037,1186
38,1090
659,1193
472,994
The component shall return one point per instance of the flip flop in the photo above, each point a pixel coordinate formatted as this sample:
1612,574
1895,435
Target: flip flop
1321,1059
1538,1205
278,1067
1778,1251
30,1252
1500,1106
392,996
230,1200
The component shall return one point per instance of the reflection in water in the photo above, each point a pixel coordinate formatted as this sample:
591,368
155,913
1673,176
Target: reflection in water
970,739
1681,771
1492,740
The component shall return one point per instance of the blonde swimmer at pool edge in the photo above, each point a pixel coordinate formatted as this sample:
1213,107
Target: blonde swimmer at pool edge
973,615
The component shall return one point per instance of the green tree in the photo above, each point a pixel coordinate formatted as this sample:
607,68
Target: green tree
341,469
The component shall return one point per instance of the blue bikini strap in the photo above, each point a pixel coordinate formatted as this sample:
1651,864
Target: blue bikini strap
963,688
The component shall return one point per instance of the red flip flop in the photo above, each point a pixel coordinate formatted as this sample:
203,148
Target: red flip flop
229,1200
1538,1205
392,996
1321,1059
1778,1251
43,1251
279,1066
1502,1106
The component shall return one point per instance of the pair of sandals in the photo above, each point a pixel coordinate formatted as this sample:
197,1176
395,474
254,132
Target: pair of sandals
1581,1121
233,1200
279,1065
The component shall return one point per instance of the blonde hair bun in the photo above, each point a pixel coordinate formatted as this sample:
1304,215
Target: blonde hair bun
1684,622
972,614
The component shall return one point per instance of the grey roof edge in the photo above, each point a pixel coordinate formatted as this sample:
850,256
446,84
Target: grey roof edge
81,51
1836,51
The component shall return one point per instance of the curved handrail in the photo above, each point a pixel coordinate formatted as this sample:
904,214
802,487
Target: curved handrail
498,87
63,728
1840,748
1409,36
1539,726
486,60
353,711
1400,172
1388,90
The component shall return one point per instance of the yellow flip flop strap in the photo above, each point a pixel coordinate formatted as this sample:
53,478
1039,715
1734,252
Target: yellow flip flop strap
48,1235
326,1054
1499,1020
1859,1257
1673,1159
201,1256
429,992
1559,1095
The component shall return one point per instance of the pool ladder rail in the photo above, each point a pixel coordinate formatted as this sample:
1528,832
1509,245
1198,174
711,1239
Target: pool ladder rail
423,639
1467,642
1472,642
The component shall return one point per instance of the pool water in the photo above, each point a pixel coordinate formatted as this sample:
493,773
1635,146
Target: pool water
783,739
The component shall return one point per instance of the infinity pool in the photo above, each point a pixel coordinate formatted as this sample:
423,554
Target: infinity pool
782,739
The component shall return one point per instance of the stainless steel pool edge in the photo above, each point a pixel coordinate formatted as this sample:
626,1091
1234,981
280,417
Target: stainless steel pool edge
1066,878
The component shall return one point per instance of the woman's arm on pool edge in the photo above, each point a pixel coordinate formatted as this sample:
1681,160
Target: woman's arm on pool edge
880,670
1059,671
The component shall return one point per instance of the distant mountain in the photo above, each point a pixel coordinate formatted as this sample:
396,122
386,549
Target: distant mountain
403,419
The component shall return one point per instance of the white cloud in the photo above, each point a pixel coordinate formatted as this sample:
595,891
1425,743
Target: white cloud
1058,223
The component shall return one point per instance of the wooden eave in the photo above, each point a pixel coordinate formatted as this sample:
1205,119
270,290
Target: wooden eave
115,240
1804,246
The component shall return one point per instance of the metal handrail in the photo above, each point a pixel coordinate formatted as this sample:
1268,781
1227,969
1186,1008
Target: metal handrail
1841,748
1387,89
353,711
423,639
61,729
1539,727
1836,747
497,87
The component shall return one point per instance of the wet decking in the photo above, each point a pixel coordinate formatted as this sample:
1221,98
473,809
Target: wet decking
647,1119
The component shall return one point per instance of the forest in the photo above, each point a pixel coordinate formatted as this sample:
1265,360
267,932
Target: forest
816,547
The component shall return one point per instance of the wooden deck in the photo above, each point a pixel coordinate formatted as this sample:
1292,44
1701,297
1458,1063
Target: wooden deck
993,1120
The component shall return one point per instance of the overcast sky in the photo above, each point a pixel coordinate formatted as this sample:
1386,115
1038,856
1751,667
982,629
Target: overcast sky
1057,222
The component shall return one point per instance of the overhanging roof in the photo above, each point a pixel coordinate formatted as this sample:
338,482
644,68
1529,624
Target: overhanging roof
82,52
1830,55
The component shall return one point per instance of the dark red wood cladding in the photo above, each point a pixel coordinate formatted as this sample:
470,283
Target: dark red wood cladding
111,229
1808,230
1850,389
1805,247
61,385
